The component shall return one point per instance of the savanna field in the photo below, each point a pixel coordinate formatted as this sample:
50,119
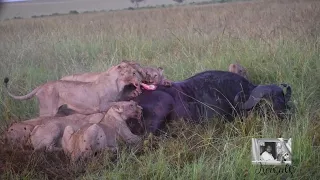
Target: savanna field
277,41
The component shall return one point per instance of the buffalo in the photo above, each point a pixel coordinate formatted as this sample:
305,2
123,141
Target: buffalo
203,96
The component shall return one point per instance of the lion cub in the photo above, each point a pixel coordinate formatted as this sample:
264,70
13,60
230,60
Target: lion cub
155,76
238,69
48,136
18,133
92,138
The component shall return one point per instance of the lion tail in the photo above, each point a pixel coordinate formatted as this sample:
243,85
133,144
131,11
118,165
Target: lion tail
28,96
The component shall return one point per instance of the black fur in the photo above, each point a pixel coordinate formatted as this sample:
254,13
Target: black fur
203,96
5,81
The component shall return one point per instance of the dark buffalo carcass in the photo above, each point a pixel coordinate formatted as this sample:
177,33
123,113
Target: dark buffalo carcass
206,95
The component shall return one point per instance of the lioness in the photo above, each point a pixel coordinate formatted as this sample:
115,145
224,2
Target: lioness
18,133
94,76
150,75
84,97
85,77
95,137
48,135
238,69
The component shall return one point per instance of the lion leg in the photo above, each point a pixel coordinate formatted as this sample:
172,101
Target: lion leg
43,109
53,148
48,104
55,105
127,135
133,94
111,143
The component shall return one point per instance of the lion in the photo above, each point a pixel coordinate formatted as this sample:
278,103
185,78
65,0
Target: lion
150,75
94,76
18,133
84,142
92,138
48,136
84,97
155,76
238,69
85,77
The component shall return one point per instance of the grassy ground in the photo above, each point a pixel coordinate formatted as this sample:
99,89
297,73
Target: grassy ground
278,41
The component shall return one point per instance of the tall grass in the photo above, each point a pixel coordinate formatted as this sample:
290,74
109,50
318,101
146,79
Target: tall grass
278,42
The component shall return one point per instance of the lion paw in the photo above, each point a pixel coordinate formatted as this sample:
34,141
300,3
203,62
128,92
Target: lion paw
167,83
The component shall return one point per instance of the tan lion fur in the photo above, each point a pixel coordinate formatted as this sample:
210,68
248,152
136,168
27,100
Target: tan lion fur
92,138
93,76
85,97
238,69
18,133
155,76
48,136
151,75
85,77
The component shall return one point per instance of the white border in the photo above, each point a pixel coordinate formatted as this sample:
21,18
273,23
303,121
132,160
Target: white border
255,150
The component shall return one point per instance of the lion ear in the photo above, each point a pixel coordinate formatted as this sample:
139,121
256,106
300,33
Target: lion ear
118,108
123,64
130,62
120,66
125,61
11,124
142,71
160,69
138,68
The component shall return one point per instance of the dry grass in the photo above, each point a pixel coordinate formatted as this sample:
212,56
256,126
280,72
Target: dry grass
278,41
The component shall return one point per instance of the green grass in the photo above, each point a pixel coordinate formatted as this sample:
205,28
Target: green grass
34,51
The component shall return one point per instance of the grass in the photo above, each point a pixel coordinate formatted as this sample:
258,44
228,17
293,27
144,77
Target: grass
278,42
